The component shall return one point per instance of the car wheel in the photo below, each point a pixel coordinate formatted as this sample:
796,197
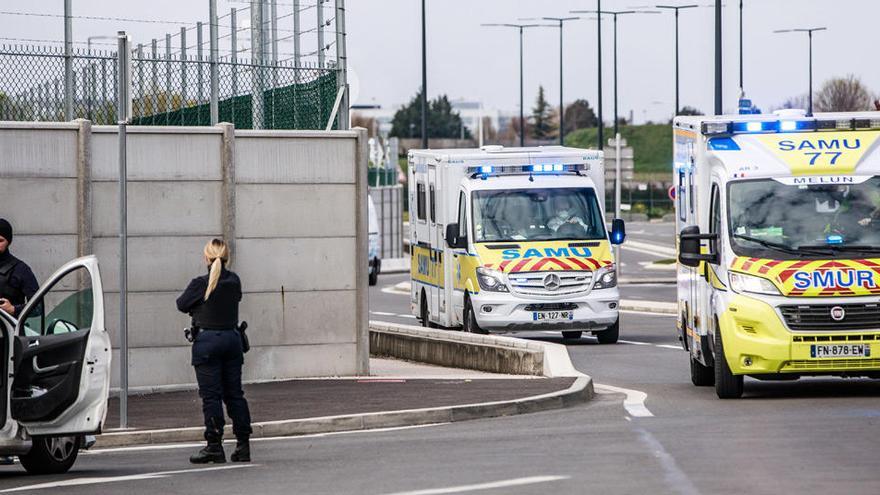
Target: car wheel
727,385
51,455
470,319
572,335
701,376
610,335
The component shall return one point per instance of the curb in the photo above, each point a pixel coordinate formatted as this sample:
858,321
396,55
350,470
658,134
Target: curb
579,392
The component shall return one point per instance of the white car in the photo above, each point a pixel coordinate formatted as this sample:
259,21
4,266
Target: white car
56,369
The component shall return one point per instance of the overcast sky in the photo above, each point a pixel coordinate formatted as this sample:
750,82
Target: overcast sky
478,63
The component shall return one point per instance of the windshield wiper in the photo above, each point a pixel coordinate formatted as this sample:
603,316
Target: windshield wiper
842,247
776,245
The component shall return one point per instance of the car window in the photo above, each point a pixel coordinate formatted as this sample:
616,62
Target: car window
67,307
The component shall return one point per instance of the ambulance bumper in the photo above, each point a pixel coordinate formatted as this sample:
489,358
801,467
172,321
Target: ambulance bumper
504,312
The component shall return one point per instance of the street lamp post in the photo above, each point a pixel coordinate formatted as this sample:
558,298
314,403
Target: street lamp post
424,82
719,107
520,27
809,32
676,9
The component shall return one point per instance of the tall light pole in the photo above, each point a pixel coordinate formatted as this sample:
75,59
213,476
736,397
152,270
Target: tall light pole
719,106
742,91
601,129
676,9
561,21
809,32
424,83
522,122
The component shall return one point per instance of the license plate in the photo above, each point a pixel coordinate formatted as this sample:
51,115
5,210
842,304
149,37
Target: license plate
820,351
552,315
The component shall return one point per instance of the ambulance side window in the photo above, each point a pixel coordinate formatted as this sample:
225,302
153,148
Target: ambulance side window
715,217
420,201
433,208
462,214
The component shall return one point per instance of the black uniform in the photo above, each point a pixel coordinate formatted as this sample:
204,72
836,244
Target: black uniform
17,281
217,353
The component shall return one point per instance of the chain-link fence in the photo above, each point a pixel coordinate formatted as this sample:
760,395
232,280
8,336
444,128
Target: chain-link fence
165,90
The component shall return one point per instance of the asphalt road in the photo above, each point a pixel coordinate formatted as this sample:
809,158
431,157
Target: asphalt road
810,436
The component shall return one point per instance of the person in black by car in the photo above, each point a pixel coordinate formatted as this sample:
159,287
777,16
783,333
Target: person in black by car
17,281
212,301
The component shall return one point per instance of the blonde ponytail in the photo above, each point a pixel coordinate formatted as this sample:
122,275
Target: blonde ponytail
216,253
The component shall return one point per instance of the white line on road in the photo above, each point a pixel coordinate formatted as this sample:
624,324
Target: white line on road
668,346
645,313
634,403
531,480
381,313
634,342
650,248
117,479
674,476
169,446
406,316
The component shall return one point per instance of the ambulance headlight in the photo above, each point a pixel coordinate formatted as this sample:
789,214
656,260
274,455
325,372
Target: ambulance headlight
740,282
491,280
606,279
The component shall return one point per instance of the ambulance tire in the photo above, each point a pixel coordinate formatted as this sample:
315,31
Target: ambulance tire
470,319
51,455
610,335
727,385
701,376
423,312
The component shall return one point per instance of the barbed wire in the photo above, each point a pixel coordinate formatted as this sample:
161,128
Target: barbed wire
96,18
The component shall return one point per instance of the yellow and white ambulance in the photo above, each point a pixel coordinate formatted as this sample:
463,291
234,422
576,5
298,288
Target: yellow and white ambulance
779,246
512,239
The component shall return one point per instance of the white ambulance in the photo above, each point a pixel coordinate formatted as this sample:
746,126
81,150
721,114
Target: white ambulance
513,239
779,246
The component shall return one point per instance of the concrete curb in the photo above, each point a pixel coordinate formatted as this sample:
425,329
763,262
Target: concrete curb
579,392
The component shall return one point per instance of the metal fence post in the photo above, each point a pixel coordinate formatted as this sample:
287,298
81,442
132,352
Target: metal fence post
154,112
257,46
169,96
200,83
297,49
140,95
123,106
183,102
215,88
68,60
234,40
342,65
319,7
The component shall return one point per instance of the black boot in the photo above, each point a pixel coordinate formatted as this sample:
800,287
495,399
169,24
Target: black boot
212,453
242,451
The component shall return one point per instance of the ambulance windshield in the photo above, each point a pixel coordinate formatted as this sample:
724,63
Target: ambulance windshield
537,215
805,217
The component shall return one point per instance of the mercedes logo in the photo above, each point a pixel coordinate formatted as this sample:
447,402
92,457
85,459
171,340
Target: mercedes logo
552,281
837,312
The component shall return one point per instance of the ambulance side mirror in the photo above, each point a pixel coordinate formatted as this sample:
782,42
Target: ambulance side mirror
454,237
618,231
689,251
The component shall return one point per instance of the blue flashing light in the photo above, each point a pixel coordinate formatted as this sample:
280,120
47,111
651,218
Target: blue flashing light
723,144
486,169
617,237
788,125
558,167
754,127
834,239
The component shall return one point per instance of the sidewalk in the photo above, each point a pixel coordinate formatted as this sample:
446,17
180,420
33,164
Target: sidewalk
420,390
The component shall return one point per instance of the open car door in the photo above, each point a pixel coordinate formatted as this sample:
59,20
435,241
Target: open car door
61,355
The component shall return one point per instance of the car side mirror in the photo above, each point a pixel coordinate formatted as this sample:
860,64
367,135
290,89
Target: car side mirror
454,238
690,250
618,231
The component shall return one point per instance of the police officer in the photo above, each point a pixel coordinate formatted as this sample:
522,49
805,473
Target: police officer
212,301
17,282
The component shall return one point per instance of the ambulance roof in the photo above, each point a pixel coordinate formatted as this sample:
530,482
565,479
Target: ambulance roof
502,153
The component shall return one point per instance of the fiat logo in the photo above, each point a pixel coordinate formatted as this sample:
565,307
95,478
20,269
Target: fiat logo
552,281
838,313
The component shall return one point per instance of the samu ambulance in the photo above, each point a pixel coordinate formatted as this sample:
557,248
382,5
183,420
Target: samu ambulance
512,239
779,246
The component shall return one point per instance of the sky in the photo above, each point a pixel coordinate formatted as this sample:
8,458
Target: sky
476,63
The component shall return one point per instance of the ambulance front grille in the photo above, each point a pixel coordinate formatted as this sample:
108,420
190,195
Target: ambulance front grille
532,283
818,317
832,364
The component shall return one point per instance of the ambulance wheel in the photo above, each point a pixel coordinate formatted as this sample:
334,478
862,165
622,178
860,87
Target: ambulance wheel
470,319
727,385
701,376
423,313
610,335
51,455
572,335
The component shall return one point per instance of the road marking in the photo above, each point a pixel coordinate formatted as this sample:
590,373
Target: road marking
645,313
634,342
117,479
531,480
381,313
170,446
407,316
674,476
650,248
634,403
668,346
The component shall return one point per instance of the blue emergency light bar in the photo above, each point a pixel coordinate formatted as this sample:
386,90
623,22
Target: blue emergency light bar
787,125
541,168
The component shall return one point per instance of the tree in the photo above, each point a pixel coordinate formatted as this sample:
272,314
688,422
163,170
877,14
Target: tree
443,121
579,115
799,101
688,110
843,94
542,117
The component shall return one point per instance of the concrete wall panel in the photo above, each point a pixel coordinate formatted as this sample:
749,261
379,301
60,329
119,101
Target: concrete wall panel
38,153
306,160
295,318
264,210
158,156
44,253
268,265
155,264
160,208
39,206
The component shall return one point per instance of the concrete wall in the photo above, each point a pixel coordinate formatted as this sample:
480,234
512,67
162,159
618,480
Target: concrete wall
292,204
